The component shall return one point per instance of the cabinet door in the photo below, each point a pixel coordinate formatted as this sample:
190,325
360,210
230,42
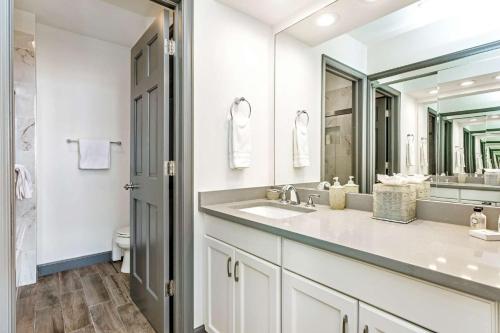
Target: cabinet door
378,321
311,307
257,299
220,287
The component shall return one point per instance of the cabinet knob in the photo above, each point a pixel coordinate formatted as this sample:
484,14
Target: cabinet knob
345,321
365,330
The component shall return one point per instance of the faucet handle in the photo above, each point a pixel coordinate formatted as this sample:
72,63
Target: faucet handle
310,202
283,199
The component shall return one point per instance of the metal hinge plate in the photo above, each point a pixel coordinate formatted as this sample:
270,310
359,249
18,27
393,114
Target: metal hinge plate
170,46
169,168
170,288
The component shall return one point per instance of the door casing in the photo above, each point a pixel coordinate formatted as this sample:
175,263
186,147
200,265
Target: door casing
183,155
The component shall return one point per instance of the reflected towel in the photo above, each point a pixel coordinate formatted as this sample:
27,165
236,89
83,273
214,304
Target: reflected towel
94,154
23,182
300,146
410,154
240,142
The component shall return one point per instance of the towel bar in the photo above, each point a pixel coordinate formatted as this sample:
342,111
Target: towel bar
119,143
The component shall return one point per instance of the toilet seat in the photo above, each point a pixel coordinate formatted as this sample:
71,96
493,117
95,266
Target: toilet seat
123,232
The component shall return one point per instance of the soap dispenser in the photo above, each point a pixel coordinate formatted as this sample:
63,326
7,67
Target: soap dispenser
350,187
337,195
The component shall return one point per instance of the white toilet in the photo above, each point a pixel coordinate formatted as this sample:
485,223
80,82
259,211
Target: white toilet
122,247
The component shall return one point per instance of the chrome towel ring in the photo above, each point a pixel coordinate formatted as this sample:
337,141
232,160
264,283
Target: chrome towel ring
237,102
299,113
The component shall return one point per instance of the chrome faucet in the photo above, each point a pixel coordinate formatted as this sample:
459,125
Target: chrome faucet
293,197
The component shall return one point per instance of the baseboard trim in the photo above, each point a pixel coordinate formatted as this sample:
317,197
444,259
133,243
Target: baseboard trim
200,329
64,265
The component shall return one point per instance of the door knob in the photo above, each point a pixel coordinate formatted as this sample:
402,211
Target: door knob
130,186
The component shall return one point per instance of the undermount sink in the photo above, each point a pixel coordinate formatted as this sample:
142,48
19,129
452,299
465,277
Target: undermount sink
275,210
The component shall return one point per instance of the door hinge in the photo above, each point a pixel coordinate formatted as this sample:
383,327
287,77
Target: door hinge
169,168
169,46
170,288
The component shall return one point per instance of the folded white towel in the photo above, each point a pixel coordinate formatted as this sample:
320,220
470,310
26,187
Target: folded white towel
300,145
24,184
410,154
423,155
479,163
240,142
459,160
94,154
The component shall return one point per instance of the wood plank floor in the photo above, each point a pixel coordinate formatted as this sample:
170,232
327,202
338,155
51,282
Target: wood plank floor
91,299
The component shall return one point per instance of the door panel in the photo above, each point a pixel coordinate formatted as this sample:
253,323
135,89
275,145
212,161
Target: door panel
220,286
377,321
150,211
308,304
257,298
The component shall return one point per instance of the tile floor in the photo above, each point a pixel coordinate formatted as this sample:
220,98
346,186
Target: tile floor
86,300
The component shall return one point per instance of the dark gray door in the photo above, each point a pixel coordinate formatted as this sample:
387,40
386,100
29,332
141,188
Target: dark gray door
150,213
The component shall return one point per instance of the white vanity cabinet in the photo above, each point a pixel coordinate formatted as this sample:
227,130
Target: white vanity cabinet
309,306
374,320
243,291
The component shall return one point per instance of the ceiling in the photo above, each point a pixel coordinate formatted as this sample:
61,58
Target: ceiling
365,11
117,21
273,12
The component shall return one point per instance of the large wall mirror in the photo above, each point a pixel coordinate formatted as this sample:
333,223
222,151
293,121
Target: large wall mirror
404,87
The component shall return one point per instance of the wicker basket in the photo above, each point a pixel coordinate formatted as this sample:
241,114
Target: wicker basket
395,203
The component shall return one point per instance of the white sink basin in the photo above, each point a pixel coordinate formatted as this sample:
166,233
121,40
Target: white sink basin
273,212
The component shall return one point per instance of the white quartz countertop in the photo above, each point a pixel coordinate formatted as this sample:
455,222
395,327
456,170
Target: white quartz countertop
441,253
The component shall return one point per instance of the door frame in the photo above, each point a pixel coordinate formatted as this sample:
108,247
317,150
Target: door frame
359,81
183,180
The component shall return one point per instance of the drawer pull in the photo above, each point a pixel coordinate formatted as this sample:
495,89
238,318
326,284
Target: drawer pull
345,321
236,277
229,274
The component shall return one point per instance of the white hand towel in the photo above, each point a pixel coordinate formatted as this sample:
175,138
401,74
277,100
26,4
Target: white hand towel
24,185
423,155
300,146
410,154
94,154
240,142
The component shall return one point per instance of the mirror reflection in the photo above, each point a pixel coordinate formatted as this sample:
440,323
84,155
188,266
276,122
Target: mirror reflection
392,92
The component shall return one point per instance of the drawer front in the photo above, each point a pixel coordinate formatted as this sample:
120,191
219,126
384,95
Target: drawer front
481,195
447,193
261,244
428,305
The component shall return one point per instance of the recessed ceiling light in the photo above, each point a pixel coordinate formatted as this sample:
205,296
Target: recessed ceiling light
326,20
433,91
467,83
497,77
495,116
473,119
370,0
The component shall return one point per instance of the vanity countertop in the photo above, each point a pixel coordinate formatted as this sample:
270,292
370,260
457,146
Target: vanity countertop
440,253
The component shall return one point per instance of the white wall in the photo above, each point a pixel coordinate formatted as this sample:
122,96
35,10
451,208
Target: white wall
233,57
298,87
83,87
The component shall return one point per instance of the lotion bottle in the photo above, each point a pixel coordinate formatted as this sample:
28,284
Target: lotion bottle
337,195
350,187
478,219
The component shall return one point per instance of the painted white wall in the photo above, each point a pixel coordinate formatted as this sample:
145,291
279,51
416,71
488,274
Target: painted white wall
298,87
83,87
233,57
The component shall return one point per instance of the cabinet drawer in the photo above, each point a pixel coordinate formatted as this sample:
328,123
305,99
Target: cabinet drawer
445,193
261,244
428,305
375,320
